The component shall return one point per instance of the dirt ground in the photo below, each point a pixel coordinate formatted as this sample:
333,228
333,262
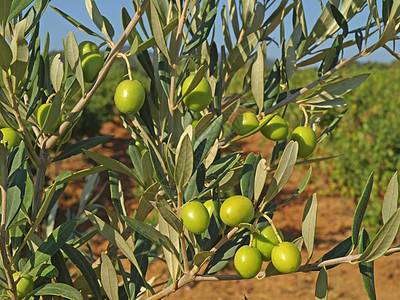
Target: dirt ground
333,226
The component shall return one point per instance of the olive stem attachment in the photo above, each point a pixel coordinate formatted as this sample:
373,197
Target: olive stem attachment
303,109
128,64
273,228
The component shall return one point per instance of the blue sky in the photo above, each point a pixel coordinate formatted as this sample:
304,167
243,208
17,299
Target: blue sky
58,27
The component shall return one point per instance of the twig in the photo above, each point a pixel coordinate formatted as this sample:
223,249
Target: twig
3,247
185,279
174,65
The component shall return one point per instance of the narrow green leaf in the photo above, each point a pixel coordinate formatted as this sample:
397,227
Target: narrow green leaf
160,174
240,54
109,277
383,239
309,223
342,249
82,174
233,13
85,267
260,178
247,177
271,87
171,259
117,194
301,187
136,158
323,103
45,270
321,288
17,7
113,165
366,268
15,193
183,161
284,170
169,216
205,141
20,51
201,257
225,29
228,163
338,88
57,289
360,210
5,54
145,206
340,20
51,245
388,33
152,234
34,15
77,24
78,147
158,31
5,10
391,200
73,59
95,15
57,72
331,126
257,78
202,32
151,41
113,236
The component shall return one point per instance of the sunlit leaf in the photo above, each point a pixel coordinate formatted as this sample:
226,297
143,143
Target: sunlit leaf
360,210
78,147
77,24
309,223
391,200
321,288
284,170
158,31
109,278
84,266
183,161
383,239
73,59
152,234
57,72
111,235
58,289
366,268
257,78
202,31
260,178
113,165
5,54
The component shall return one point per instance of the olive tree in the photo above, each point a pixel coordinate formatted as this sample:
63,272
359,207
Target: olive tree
182,148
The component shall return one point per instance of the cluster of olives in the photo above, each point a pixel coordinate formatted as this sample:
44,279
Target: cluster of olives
91,60
277,129
266,246
285,256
